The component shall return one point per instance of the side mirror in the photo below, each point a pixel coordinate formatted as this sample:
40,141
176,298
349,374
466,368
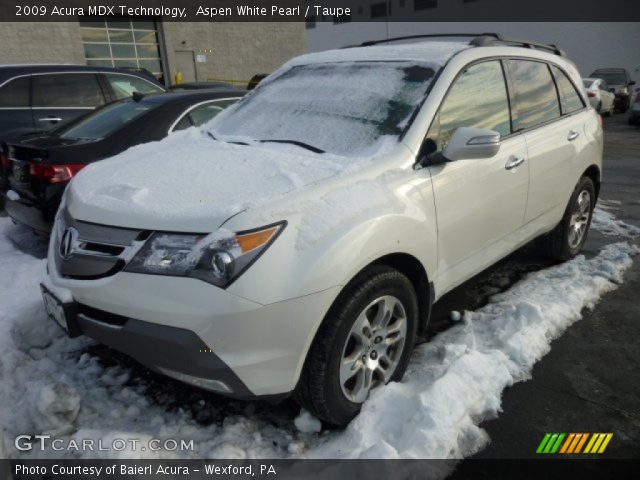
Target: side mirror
471,143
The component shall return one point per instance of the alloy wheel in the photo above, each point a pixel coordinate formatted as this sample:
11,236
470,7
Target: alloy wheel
373,347
579,219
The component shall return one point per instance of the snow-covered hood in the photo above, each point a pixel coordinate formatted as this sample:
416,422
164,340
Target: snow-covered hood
190,182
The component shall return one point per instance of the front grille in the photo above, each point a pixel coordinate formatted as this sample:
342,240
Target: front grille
93,251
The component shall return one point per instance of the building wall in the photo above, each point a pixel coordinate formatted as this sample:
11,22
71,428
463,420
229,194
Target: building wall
234,51
43,42
590,45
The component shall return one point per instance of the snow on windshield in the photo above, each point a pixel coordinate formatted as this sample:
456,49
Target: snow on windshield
351,109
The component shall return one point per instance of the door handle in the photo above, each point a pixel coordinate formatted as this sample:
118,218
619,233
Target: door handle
572,136
50,119
514,162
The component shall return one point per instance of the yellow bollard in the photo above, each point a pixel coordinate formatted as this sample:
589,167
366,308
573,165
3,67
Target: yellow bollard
178,78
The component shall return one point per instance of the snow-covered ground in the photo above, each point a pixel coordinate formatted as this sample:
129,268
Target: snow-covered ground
52,384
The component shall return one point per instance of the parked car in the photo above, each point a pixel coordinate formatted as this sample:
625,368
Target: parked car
620,83
298,244
634,118
255,80
204,86
37,167
39,97
599,95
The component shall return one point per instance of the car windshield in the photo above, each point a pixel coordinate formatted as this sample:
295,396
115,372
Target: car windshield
350,109
587,83
612,78
103,122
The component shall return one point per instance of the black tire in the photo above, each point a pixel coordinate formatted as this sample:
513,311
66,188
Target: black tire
319,389
599,107
555,244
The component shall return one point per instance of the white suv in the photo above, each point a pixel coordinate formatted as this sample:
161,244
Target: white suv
296,244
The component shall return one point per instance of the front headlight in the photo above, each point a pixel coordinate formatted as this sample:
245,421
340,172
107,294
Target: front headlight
218,258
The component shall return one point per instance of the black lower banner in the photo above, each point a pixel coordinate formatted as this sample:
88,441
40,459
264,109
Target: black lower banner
319,469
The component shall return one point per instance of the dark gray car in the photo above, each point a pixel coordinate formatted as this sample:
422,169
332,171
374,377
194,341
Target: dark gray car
39,97
620,84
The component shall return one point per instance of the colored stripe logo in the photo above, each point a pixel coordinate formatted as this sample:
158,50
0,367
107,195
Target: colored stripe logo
572,443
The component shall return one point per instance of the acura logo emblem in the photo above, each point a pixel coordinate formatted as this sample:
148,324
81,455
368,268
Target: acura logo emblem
68,242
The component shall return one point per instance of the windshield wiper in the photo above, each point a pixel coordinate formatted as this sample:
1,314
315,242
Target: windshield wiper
295,142
225,141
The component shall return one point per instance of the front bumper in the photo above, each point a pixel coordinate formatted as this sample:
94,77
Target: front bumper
189,329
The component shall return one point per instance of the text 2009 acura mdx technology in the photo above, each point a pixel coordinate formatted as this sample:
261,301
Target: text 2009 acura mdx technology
296,243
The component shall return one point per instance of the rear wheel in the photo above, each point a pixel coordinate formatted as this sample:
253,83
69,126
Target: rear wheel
364,343
567,239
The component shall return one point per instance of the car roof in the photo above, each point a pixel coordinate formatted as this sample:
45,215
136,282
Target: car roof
610,70
188,96
11,70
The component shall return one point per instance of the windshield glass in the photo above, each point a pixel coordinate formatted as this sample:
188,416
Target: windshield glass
612,78
587,83
350,109
103,122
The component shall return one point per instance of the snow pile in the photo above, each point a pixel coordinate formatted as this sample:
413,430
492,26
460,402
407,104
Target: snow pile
605,221
52,384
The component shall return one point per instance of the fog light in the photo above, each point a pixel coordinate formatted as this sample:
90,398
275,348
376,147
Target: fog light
221,264
204,383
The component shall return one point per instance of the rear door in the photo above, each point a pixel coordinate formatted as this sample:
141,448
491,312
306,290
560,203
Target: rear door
60,97
479,202
546,112
15,110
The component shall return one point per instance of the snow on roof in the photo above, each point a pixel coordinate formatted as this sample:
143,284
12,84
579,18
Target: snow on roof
423,52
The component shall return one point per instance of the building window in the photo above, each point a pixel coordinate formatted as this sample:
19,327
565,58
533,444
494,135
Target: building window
379,10
341,19
310,22
122,43
424,4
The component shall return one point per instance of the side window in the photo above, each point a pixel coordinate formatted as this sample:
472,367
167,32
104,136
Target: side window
570,99
184,122
202,114
479,99
15,93
124,85
536,95
67,90
604,86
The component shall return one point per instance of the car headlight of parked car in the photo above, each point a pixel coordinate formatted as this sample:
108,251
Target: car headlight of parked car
218,258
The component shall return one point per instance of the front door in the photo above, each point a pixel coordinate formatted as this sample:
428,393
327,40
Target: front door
185,64
479,202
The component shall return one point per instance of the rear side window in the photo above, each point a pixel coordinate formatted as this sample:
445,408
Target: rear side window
15,93
202,114
67,90
570,99
536,96
124,85
478,99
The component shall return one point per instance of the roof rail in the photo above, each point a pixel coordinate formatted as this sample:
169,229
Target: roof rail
491,39
477,40
429,35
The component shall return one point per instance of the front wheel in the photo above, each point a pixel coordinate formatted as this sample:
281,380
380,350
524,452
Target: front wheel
567,239
364,343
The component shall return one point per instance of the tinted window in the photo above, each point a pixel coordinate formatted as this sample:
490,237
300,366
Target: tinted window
67,90
614,78
536,95
202,114
570,99
15,93
101,123
124,85
478,99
